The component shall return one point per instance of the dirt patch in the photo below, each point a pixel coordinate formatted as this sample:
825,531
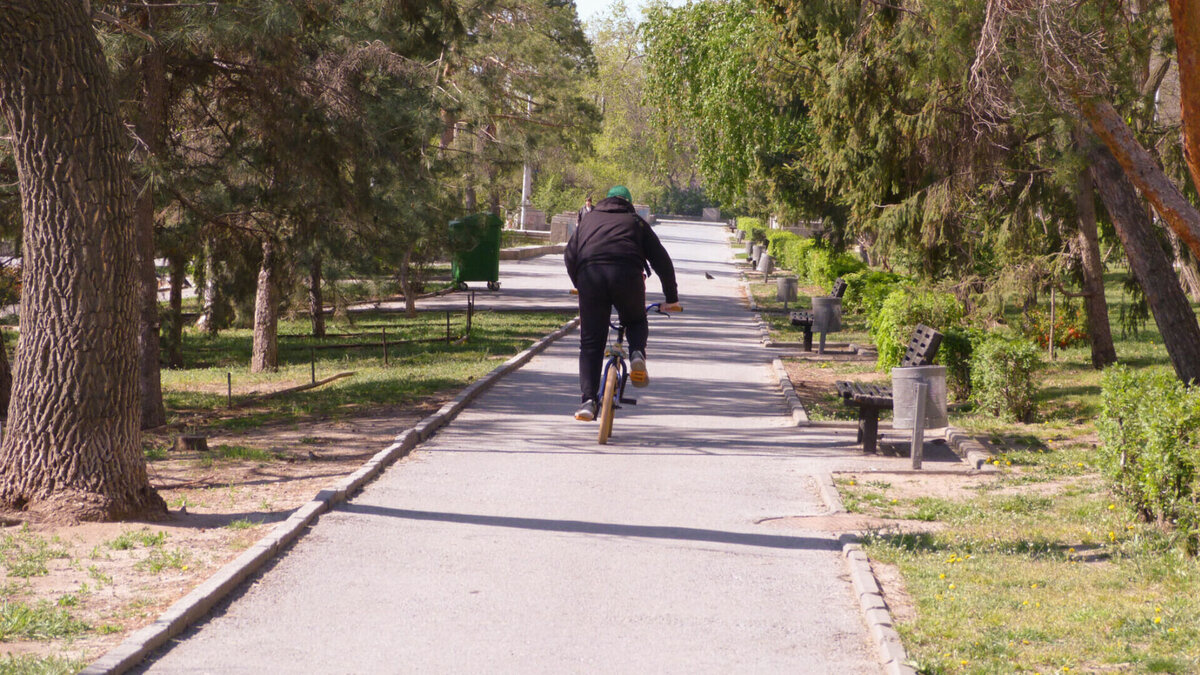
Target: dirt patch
956,485
118,577
814,385
856,523
895,594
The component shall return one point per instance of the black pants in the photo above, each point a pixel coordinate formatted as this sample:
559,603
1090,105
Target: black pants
602,287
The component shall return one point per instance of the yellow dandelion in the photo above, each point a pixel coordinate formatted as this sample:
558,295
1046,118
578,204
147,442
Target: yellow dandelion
1024,642
1026,603
1071,550
942,575
1158,619
1158,610
1033,585
1111,507
952,587
1112,536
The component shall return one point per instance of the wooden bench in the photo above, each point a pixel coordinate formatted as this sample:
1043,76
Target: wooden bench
871,398
804,319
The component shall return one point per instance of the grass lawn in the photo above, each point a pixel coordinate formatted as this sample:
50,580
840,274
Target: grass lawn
416,369
1042,569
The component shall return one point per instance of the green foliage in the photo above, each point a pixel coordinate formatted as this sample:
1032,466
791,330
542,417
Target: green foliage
904,308
825,265
867,289
1002,376
955,353
1149,429
1070,326
29,664
790,251
131,539
42,621
754,229
25,553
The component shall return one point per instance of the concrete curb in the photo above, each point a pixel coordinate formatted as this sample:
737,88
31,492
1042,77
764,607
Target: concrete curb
795,405
527,252
971,450
829,493
204,597
866,588
875,610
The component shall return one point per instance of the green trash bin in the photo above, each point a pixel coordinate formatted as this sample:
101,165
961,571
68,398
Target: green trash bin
475,242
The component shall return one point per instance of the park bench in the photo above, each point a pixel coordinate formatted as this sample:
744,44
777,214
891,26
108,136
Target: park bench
804,319
871,398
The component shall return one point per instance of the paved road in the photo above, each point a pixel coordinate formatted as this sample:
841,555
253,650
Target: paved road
512,542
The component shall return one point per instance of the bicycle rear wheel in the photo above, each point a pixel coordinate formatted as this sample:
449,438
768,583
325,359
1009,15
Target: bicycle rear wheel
608,403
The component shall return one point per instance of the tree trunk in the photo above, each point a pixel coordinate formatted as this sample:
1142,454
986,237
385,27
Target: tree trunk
1086,245
1144,172
5,380
1174,316
178,266
406,284
150,123
1189,270
1185,16
72,449
208,292
316,303
265,356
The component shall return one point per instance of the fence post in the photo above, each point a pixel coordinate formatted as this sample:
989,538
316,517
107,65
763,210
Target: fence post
918,437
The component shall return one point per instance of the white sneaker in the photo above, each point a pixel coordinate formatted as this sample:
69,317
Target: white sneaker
637,369
587,411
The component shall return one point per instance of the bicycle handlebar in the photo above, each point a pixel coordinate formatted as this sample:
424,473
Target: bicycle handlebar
657,307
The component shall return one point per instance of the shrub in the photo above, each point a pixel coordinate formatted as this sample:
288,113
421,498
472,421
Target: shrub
754,229
790,251
866,290
1070,326
955,353
1002,376
825,265
1150,447
904,308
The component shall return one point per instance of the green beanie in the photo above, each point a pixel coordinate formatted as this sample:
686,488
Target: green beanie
620,191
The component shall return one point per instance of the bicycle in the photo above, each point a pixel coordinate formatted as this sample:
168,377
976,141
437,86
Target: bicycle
616,374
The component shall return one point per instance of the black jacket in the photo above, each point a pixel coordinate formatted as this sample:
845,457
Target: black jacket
613,233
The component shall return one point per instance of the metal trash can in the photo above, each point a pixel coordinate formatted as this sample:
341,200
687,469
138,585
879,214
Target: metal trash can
756,253
766,264
827,314
785,289
905,402
475,242
749,250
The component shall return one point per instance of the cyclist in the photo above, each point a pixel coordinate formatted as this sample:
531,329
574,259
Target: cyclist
607,260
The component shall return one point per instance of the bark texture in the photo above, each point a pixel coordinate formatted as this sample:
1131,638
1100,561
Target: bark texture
5,380
1185,16
151,127
208,292
1086,245
1150,264
72,447
178,267
1144,172
316,301
1189,271
265,356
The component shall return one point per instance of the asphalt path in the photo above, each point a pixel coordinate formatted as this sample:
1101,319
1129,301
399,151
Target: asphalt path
512,542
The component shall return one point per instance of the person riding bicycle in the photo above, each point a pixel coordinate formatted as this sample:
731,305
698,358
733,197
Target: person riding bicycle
607,260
